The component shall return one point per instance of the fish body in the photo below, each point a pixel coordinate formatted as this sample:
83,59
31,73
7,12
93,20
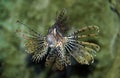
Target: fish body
59,48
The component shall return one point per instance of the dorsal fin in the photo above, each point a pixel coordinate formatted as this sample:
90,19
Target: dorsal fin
26,26
61,21
31,31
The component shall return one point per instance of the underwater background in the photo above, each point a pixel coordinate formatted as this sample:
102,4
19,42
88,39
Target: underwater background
40,15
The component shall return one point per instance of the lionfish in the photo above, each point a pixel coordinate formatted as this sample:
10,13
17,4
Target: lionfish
60,48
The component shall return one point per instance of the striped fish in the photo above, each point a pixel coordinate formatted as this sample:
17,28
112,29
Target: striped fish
60,48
